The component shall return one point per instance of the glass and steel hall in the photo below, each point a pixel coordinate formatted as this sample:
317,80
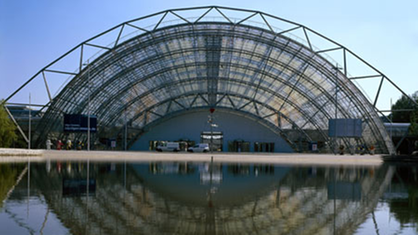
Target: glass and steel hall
243,63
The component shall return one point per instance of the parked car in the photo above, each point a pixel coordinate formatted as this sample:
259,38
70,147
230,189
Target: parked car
199,148
168,147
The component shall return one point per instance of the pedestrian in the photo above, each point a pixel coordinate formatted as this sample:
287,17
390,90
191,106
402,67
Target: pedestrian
80,145
341,149
69,144
48,144
59,145
372,149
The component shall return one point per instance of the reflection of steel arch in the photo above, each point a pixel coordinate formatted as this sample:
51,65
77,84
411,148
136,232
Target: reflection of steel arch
296,204
207,62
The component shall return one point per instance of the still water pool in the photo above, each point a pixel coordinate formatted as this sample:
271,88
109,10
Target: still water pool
86,197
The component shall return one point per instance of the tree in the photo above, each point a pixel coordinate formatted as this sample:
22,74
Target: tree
413,128
406,116
404,103
7,128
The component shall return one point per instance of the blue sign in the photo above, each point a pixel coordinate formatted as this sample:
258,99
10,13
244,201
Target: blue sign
79,123
345,128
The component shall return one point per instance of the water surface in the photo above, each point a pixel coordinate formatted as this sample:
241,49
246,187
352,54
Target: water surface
85,197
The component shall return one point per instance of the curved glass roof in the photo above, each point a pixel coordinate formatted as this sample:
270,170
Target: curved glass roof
242,68
196,65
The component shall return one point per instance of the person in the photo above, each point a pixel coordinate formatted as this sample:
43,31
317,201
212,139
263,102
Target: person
69,144
341,149
59,145
48,144
372,149
80,145
362,150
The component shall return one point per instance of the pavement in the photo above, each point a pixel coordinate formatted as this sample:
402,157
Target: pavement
7,152
147,156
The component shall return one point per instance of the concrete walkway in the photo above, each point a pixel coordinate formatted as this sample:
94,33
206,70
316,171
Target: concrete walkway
275,158
264,158
8,152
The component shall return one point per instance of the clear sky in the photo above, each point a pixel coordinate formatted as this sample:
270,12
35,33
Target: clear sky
34,33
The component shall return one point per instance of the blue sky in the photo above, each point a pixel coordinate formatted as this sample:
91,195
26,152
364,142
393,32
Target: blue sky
34,33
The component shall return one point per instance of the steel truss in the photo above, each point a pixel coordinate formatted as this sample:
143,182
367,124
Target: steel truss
187,61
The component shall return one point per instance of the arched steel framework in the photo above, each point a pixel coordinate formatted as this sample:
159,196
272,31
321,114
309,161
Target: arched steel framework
136,202
199,61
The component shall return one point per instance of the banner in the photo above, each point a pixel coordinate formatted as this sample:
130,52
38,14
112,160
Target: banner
79,123
345,128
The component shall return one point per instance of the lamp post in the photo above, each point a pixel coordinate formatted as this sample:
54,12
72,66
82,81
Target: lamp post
391,120
126,132
88,105
30,121
211,133
211,110
88,108
336,109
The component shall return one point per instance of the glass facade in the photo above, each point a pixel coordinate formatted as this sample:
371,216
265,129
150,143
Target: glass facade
217,65
204,64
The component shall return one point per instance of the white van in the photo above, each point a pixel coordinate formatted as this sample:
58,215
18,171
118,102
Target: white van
199,148
168,147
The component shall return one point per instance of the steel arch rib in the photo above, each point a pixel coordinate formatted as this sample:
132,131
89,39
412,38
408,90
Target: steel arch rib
129,22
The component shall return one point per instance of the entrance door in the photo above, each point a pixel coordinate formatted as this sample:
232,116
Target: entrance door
238,146
214,139
263,147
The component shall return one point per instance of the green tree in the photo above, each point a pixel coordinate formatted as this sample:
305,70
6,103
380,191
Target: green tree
7,128
413,128
404,103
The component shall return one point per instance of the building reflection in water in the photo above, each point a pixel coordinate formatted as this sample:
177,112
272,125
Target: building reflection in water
212,197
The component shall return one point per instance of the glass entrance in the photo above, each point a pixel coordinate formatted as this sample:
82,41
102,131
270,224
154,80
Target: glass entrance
263,147
238,146
214,139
